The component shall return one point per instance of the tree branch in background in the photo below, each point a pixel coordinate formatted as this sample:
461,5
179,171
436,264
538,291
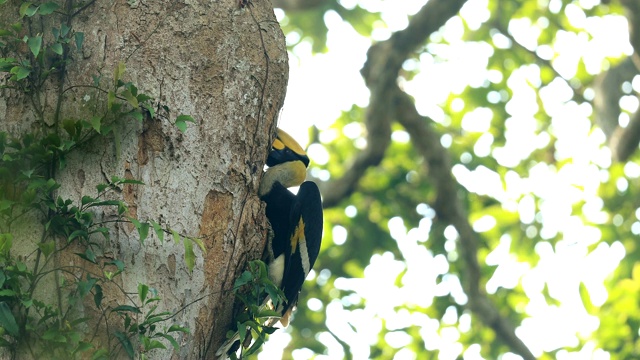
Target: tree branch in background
388,103
380,73
624,141
297,5
633,16
449,208
608,91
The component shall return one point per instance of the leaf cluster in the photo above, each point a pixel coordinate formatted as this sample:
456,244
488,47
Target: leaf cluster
29,193
260,297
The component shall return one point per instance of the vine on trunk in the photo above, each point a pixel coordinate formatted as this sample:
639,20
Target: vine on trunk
29,321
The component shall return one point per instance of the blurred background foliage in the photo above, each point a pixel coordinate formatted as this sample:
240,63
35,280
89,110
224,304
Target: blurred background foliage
532,106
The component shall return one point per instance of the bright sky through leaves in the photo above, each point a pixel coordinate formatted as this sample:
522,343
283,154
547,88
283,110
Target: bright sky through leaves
324,85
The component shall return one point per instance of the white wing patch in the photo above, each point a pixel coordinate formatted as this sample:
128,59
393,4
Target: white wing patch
304,255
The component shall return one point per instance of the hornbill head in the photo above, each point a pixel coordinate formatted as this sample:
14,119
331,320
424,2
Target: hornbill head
286,149
287,163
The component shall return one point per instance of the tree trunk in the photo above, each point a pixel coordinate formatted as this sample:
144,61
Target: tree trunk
220,62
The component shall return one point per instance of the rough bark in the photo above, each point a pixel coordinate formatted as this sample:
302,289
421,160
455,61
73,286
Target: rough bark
226,66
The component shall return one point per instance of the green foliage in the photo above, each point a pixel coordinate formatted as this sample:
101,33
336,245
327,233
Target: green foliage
254,322
143,325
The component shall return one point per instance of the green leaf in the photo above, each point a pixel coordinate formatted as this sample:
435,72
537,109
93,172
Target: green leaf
7,292
269,329
143,289
27,303
7,320
79,36
101,187
176,236
182,126
6,204
118,264
70,127
171,340
126,344
6,242
119,71
242,332
189,255
173,328
88,255
243,279
131,181
48,8
268,314
181,122
155,344
78,233
200,244
35,44
111,98
133,101
102,230
47,248
64,30
127,308
54,335
149,108
106,203
122,208
136,114
20,72
57,48
257,344
84,287
143,230
82,347
143,97
186,118
24,8
95,124
159,231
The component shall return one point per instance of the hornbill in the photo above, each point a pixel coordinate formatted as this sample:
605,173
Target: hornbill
296,221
